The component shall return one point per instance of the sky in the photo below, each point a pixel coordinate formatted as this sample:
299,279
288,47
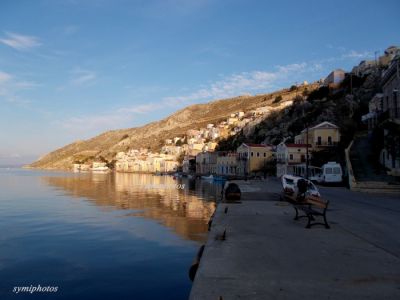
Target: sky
72,69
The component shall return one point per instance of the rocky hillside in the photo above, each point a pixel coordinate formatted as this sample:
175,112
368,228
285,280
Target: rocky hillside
342,106
106,145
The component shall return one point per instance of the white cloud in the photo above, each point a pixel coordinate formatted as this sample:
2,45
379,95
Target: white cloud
118,118
4,77
241,83
82,77
356,54
20,42
228,86
10,88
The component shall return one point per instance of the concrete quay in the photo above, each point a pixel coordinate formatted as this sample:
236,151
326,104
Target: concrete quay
268,255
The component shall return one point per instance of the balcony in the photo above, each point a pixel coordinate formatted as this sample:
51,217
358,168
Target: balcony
326,144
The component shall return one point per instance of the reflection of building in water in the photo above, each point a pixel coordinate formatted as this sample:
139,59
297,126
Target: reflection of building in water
170,193
187,210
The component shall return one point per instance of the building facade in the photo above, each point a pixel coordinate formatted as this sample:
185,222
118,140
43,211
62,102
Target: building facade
334,78
252,157
288,155
206,163
323,135
390,154
227,163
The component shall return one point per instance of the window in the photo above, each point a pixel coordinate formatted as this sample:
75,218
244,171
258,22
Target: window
329,140
291,156
252,154
319,142
265,154
258,154
328,171
336,171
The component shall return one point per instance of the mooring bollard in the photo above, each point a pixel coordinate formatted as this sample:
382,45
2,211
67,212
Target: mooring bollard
232,192
221,237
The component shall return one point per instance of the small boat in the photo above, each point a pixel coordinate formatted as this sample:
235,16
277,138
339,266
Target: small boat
100,170
177,175
209,177
298,189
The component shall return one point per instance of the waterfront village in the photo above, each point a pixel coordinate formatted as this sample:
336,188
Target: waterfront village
195,152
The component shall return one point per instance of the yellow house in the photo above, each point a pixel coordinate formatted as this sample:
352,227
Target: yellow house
323,135
252,157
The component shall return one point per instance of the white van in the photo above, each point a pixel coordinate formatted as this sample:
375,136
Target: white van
331,172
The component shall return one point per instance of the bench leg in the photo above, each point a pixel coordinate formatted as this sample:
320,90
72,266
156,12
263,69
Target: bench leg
309,217
326,222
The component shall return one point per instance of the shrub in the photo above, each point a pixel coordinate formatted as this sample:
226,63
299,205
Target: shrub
277,99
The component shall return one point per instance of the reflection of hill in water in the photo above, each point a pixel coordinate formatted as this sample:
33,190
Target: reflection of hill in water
185,211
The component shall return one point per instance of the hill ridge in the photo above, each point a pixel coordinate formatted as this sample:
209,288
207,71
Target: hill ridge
153,134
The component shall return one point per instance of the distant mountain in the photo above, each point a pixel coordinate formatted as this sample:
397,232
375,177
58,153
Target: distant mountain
106,145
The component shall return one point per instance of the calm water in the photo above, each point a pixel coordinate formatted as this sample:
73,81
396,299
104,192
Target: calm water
100,236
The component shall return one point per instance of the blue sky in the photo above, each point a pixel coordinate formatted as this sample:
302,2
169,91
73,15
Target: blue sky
72,69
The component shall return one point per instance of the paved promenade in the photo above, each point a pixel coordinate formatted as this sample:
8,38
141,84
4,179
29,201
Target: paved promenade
268,255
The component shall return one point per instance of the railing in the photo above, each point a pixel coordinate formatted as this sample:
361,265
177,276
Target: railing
352,180
326,144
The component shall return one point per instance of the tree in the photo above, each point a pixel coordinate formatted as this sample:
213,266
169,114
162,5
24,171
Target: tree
277,99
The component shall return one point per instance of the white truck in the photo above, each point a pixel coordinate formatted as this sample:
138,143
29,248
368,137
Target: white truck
331,172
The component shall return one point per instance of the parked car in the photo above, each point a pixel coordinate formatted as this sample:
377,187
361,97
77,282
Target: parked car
297,188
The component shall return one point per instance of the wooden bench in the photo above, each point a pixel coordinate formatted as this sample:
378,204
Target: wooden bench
312,207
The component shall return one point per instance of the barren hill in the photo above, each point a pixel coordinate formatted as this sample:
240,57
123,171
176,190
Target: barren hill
152,135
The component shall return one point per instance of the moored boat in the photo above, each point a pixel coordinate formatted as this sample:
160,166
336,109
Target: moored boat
209,177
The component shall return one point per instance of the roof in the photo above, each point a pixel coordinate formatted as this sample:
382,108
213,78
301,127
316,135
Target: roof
325,124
